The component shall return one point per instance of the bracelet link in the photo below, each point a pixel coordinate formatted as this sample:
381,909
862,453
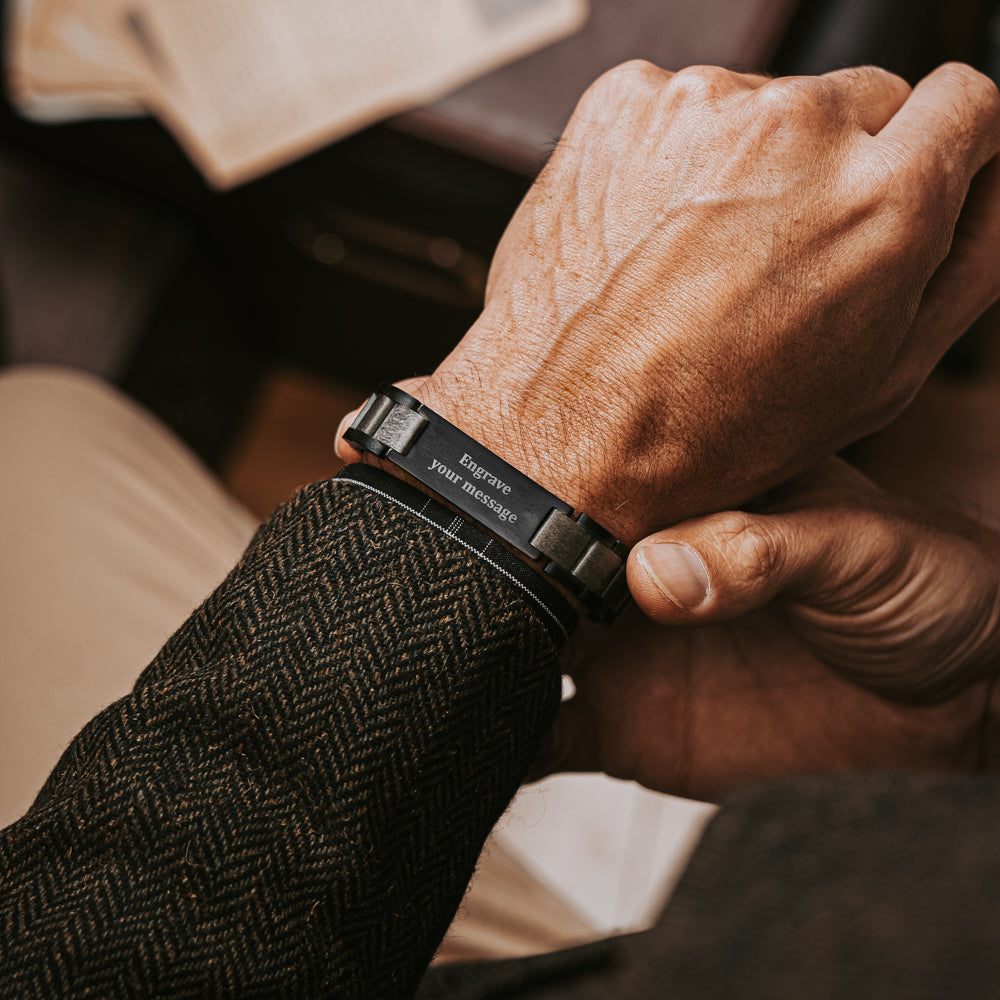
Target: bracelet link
560,538
390,424
585,558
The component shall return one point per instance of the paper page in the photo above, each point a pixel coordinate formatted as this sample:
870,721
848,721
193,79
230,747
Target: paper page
67,62
250,84
610,850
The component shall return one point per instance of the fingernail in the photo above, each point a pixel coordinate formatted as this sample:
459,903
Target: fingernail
678,573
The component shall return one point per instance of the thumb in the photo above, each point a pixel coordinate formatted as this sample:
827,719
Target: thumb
717,568
344,449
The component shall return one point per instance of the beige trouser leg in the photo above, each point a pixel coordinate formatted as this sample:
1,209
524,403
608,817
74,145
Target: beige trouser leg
111,533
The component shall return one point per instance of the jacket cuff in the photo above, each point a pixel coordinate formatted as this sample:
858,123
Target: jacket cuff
553,609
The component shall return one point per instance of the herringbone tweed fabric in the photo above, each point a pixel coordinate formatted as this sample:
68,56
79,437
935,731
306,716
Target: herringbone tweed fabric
292,799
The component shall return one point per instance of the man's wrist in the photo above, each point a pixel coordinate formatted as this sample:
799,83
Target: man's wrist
483,487
524,435
581,432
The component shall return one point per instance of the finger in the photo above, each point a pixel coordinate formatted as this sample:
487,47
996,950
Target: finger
718,568
344,449
966,283
875,94
948,128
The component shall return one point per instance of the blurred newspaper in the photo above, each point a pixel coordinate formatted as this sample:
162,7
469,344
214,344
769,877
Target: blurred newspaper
247,85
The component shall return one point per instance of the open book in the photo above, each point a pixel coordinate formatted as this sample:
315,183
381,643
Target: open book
247,85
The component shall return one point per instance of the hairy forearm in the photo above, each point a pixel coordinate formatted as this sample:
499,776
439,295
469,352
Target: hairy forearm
292,799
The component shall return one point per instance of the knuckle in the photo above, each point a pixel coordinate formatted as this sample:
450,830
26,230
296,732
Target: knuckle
794,96
965,110
702,83
730,525
753,548
617,87
884,78
633,73
760,554
970,82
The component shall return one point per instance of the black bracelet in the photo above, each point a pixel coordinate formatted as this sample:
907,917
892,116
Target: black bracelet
582,556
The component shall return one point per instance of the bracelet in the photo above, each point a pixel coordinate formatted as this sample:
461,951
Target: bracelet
585,558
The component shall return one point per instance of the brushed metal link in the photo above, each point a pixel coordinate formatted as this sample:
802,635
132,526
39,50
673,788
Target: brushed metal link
561,539
400,428
373,414
575,550
596,567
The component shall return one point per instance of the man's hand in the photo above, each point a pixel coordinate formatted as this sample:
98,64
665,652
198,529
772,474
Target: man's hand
719,278
845,629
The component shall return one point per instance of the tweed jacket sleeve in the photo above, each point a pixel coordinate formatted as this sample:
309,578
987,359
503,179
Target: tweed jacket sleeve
291,800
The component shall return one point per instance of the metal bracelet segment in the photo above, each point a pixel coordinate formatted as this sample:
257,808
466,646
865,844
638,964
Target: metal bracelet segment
587,560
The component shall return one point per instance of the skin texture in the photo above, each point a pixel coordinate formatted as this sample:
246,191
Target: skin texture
718,279
843,629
